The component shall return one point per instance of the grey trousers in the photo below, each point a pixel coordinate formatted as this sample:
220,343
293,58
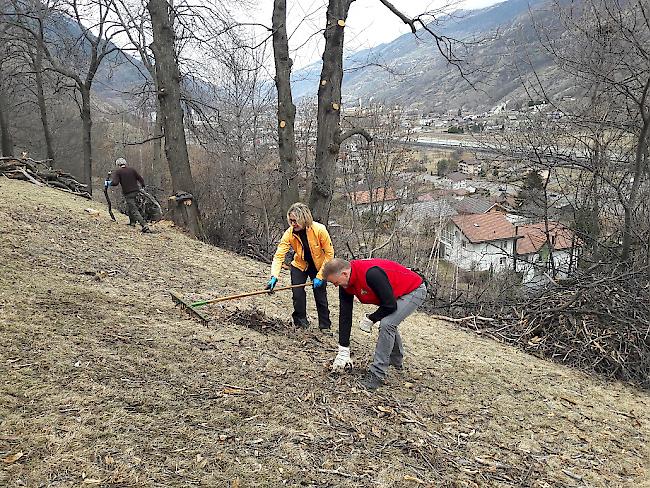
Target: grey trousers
389,349
132,209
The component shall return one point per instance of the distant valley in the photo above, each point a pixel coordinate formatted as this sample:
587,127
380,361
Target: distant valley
502,50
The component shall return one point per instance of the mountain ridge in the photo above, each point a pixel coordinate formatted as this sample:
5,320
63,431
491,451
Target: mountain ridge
502,49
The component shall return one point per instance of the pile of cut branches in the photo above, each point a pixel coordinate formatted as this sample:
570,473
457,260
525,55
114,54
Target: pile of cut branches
598,321
42,174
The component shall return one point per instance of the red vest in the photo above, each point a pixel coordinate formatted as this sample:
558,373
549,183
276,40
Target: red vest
402,280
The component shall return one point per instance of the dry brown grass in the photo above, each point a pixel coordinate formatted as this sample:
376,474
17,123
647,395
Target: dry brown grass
104,383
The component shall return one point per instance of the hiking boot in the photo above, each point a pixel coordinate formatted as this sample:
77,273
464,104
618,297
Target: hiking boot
398,367
131,224
147,230
371,381
301,324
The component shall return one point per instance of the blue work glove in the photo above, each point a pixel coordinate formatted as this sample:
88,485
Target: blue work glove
107,183
271,284
318,282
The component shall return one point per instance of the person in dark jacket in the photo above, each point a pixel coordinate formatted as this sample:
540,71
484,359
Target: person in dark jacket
397,291
131,182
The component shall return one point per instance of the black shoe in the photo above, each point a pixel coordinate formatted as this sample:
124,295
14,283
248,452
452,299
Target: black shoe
131,224
371,381
398,367
325,330
301,325
147,230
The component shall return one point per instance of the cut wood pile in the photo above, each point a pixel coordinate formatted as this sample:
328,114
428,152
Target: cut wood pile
42,174
598,322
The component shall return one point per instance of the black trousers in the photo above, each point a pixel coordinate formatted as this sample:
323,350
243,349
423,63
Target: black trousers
300,300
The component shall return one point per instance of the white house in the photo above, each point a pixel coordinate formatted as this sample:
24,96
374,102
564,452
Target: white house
533,251
455,180
479,242
491,242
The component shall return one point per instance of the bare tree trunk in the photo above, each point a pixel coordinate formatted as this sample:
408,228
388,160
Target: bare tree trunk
5,134
637,175
98,44
37,62
134,30
241,180
328,139
169,96
6,142
87,125
158,163
286,107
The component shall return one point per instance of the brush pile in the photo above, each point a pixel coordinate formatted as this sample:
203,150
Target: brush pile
40,173
598,322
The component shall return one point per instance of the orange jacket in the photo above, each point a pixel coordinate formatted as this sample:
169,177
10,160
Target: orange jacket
320,245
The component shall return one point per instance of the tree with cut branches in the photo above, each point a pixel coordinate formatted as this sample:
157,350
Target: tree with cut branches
169,97
137,29
329,134
286,107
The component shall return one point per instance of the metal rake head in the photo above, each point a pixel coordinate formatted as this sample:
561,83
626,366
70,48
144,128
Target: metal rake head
178,300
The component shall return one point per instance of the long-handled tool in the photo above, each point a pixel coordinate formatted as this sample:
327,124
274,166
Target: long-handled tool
191,307
108,200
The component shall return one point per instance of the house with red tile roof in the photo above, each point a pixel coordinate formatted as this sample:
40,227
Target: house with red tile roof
490,241
479,242
382,199
538,242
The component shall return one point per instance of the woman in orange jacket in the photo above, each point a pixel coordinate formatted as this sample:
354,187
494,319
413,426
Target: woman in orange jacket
313,248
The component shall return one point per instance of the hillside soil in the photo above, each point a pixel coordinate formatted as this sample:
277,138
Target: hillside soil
104,382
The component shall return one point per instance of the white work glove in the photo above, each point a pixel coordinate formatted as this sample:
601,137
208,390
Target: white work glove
365,324
342,360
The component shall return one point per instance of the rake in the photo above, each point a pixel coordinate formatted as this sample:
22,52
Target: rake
191,307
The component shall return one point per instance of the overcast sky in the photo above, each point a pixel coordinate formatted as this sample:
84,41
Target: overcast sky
369,22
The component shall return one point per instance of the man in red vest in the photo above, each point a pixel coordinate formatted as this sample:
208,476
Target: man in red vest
397,291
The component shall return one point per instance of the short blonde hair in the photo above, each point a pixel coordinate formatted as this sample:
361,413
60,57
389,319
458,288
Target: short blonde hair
334,267
301,213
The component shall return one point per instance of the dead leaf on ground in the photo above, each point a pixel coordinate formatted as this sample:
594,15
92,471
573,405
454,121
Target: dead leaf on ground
13,458
385,409
233,391
408,477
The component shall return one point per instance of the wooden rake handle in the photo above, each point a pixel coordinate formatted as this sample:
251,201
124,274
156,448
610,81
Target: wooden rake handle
242,295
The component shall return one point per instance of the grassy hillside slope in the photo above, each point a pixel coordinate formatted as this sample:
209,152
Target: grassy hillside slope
103,382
